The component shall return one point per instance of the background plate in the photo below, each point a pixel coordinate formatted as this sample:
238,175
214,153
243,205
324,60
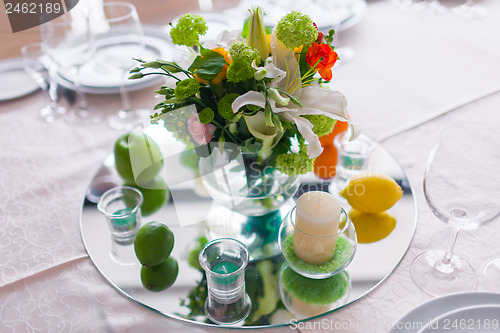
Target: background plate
472,310
97,79
15,82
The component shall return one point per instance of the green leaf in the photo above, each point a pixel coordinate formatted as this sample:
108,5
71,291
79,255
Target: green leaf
208,65
170,66
152,64
136,76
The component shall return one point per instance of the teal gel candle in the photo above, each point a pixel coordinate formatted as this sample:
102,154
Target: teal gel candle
225,267
125,221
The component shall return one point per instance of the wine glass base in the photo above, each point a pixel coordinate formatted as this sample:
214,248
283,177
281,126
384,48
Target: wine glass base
425,272
82,116
128,120
49,113
435,8
491,274
470,12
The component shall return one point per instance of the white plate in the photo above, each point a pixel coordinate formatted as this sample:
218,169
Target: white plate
462,312
96,79
14,81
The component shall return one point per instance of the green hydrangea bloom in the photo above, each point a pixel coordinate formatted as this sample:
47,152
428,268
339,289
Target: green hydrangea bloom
187,88
296,29
206,115
188,30
224,106
323,125
294,164
239,71
240,51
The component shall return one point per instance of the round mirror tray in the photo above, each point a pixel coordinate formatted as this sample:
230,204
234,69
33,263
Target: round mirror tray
377,255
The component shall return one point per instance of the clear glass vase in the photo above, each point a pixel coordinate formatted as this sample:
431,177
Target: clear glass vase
246,182
250,197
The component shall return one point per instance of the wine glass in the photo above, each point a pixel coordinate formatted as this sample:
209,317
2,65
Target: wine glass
35,64
67,41
470,10
118,38
461,186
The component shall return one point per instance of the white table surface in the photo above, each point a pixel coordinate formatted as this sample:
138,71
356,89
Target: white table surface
412,75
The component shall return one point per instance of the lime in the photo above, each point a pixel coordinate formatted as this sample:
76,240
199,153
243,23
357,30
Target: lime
154,194
372,192
160,277
153,243
138,158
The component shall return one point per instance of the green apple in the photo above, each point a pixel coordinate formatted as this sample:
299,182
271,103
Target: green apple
154,194
138,158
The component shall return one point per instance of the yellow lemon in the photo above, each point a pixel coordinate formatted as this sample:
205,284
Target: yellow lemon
372,227
372,192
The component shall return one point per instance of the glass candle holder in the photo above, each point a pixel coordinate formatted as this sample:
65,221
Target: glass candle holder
352,156
306,297
122,208
224,261
343,244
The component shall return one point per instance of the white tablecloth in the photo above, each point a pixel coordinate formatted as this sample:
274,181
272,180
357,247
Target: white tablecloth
409,68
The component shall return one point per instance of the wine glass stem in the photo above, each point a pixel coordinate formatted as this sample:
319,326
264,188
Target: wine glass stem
82,99
445,265
123,93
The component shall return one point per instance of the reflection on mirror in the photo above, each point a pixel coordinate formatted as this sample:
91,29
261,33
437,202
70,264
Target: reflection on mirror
270,284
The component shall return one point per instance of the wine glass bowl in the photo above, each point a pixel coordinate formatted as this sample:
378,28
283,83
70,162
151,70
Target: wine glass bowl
118,38
68,44
461,187
35,64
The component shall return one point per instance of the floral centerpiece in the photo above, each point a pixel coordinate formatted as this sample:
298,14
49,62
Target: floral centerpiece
258,91
250,108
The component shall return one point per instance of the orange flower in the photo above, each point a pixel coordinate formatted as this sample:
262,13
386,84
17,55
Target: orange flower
222,74
324,56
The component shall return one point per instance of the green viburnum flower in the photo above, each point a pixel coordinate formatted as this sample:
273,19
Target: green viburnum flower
224,106
323,125
188,30
294,164
239,71
240,51
296,29
186,88
206,115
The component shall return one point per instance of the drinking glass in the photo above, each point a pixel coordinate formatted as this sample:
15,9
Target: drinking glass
67,41
224,261
118,38
470,10
35,64
461,187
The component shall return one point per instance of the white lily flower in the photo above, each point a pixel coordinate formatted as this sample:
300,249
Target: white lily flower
284,59
256,33
315,101
272,72
257,126
224,40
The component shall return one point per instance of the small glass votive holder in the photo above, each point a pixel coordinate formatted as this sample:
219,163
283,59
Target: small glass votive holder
343,244
306,298
353,156
224,261
122,208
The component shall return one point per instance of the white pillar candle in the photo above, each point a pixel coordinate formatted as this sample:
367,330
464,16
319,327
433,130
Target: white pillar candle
317,221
